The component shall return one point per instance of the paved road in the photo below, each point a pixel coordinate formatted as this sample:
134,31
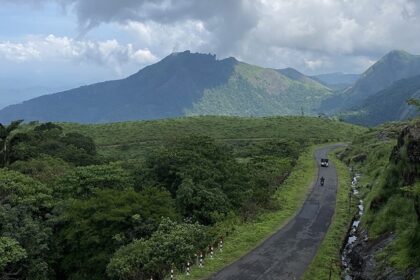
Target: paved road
287,253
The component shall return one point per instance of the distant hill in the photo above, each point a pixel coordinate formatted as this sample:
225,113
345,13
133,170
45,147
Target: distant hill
337,80
394,66
389,104
298,76
181,84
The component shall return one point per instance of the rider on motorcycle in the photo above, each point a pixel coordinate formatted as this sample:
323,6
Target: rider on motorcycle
322,181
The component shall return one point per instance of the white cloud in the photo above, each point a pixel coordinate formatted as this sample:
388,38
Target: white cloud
52,48
166,39
311,35
18,52
321,34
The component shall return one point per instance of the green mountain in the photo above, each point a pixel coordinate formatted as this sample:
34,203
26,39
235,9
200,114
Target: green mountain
389,104
394,66
298,76
180,84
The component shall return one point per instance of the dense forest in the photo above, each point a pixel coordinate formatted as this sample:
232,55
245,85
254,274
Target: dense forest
67,212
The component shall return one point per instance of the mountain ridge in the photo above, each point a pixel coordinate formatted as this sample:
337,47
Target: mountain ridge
394,66
392,100
181,84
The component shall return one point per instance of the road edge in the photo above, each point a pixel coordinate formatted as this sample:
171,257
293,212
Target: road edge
205,273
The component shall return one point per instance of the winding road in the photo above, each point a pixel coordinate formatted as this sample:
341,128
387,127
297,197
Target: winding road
288,252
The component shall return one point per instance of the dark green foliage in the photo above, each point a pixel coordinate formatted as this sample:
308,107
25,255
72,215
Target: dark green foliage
194,170
203,203
6,138
198,158
92,229
84,181
25,205
66,214
11,253
49,139
80,142
167,248
206,180
45,169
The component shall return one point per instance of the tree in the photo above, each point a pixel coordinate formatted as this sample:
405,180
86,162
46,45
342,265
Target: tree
195,157
46,169
48,139
92,229
11,253
204,204
171,245
5,138
83,181
414,102
25,207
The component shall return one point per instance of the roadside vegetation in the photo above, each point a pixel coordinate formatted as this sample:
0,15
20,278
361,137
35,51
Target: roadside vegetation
388,158
246,236
133,209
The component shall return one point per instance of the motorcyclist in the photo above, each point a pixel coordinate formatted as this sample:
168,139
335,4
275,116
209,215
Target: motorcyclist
322,180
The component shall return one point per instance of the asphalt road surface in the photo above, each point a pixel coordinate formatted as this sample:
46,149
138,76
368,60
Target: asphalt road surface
287,253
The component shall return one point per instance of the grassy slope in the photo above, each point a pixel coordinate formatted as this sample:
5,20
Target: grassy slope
396,213
328,254
247,236
256,91
132,139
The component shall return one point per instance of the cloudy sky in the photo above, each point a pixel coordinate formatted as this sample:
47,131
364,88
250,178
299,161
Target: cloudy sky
49,45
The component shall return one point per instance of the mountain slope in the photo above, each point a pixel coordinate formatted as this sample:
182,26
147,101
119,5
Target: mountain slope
153,92
389,104
298,76
181,84
394,66
256,91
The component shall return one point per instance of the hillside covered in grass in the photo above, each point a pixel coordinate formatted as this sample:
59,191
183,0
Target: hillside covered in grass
388,158
131,139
